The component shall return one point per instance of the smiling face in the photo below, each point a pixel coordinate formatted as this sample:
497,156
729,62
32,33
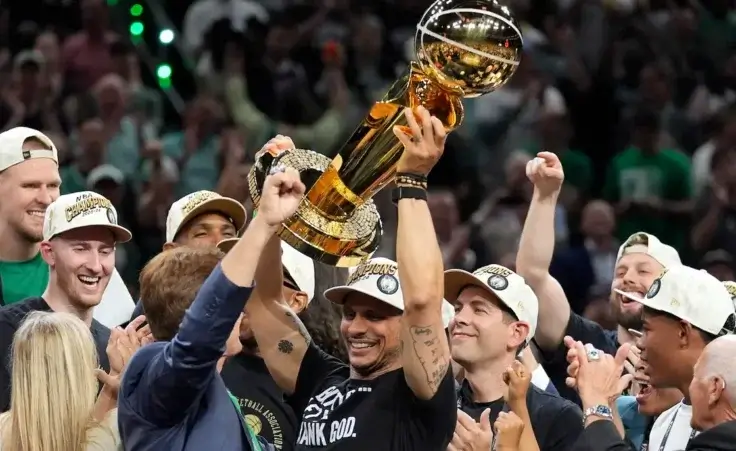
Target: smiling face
371,331
482,329
651,400
81,262
26,190
635,272
206,230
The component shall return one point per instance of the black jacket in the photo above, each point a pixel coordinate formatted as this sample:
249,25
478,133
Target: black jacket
602,435
718,438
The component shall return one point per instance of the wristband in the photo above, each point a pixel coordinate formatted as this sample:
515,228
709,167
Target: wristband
411,180
407,192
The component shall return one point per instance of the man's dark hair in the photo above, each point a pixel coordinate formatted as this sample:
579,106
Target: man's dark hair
707,337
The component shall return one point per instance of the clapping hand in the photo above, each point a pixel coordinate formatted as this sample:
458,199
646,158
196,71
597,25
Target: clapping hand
508,427
517,377
545,172
424,142
121,346
597,375
472,436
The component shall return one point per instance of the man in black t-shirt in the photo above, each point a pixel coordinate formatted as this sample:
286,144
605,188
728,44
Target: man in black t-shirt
397,393
246,375
640,260
80,232
495,316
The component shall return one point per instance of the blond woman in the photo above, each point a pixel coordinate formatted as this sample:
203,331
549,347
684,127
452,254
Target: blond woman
54,399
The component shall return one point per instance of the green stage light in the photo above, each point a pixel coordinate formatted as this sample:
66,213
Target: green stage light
163,71
136,28
166,36
136,10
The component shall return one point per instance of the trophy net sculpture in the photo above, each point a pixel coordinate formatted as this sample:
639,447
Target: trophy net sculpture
465,48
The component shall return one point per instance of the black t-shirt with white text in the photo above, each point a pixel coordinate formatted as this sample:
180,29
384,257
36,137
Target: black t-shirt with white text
261,401
339,413
11,317
557,422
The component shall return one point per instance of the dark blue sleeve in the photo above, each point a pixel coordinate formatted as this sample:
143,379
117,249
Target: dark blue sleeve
555,361
177,376
137,311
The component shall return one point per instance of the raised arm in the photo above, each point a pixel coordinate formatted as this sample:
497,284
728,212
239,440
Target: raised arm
537,246
282,338
425,351
176,377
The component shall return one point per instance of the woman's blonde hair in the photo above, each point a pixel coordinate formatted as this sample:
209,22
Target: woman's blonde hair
54,387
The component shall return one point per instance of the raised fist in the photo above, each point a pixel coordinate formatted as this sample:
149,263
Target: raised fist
508,427
545,172
282,192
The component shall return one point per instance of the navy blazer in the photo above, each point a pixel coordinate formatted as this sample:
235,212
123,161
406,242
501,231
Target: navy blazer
171,395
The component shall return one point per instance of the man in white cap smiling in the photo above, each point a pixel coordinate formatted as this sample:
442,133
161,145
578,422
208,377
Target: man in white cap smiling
80,232
201,219
683,311
29,182
495,318
640,259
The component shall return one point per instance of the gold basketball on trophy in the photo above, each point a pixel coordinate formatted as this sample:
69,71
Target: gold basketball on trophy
464,48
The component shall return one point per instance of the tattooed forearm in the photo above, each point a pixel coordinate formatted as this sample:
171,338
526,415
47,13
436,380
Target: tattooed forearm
299,325
428,349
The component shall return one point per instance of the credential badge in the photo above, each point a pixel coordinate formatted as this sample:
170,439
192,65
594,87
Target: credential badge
387,284
654,289
498,282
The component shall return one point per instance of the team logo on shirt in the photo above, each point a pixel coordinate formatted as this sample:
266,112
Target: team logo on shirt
388,284
262,421
319,427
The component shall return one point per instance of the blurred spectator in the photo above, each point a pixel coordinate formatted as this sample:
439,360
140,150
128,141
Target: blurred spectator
715,218
590,265
202,14
86,54
720,264
650,184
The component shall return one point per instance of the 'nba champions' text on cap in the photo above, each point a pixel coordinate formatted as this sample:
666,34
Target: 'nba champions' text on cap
82,209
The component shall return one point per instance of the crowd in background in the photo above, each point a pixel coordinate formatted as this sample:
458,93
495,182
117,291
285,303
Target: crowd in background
636,98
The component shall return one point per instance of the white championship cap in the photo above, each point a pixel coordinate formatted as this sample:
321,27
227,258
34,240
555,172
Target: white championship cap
693,296
645,243
299,267
501,282
82,209
379,279
199,202
11,147
731,288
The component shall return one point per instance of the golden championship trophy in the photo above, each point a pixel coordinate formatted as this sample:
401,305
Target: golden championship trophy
465,48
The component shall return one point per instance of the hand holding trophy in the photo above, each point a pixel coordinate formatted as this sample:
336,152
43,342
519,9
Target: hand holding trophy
464,49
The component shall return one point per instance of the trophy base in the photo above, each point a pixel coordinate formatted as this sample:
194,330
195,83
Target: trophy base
336,241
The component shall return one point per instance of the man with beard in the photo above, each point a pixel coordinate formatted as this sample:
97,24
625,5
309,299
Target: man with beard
246,376
29,182
639,262
495,316
398,392
80,232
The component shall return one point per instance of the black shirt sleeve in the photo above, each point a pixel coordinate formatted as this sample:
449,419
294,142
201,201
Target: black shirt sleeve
438,415
565,430
7,330
555,361
601,436
317,369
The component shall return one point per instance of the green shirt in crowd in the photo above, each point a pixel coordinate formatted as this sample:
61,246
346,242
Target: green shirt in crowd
637,176
21,280
578,168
